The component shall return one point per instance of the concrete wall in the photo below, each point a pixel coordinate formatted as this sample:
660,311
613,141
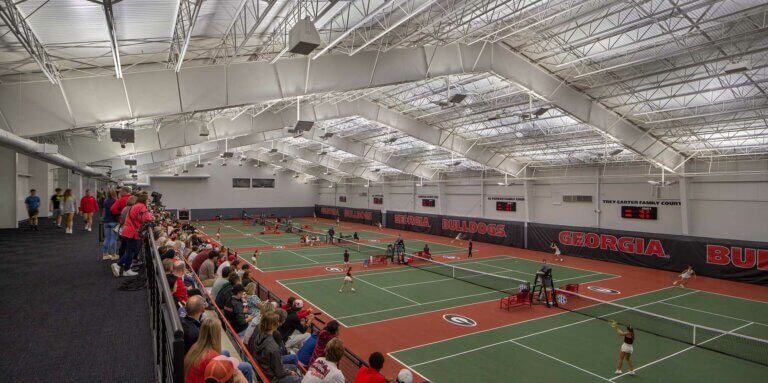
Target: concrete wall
216,192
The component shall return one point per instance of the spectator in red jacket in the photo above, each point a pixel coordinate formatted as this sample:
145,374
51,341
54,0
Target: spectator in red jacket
117,207
371,374
88,206
137,216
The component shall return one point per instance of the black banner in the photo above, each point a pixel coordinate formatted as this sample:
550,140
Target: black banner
365,216
478,229
719,258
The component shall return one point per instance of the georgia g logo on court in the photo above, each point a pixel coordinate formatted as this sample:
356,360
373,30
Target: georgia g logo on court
603,290
334,269
460,320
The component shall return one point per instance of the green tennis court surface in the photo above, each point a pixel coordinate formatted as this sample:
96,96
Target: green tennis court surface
392,293
249,235
576,348
272,260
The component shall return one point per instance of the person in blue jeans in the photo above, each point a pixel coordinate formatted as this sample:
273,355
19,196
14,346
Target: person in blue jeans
109,249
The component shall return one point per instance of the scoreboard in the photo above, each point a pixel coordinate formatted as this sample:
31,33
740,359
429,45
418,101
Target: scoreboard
639,212
428,202
506,206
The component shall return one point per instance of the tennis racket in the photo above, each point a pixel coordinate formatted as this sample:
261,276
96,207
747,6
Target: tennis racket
613,323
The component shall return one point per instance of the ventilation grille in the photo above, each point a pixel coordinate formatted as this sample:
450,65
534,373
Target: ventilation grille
577,198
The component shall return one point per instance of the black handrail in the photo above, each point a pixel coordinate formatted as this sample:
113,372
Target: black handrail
167,333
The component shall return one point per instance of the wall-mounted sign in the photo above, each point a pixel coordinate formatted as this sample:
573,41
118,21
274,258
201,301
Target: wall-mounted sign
650,203
506,198
428,196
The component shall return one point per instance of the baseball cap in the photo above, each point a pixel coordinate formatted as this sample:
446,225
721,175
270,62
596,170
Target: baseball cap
209,247
405,376
221,368
298,303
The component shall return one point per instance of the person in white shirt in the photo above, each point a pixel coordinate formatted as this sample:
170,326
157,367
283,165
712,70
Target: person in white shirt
325,369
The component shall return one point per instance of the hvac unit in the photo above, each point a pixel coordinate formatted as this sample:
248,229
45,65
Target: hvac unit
303,37
131,162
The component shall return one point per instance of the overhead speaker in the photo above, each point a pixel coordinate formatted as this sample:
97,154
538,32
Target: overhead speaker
303,37
123,136
227,155
273,150
203,131
457,98
131,162
133,171
199,165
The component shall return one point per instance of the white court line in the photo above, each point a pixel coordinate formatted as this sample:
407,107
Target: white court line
553,265
715,314
420,304
391,292
295,253
681,351
518,323
312,304
541,332
504,268
733,296
561,361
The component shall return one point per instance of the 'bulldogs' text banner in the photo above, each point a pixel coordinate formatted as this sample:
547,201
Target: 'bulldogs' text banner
478,229
365,216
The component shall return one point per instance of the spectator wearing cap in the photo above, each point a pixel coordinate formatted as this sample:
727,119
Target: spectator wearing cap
325,369
191,322
330,332
207,271
404,376
371,374
295,330
223,369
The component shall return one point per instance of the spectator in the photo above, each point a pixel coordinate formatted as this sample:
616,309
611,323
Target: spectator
220,282
224,295
295,331
330,331
32,202
137,216
109,249
253,326
404,376
305,352
223,369
121,222
246,277
55,207
122,202
235,312
191,322
266,352
252,299
180,293
207,269
371,374
88,206
325,369
207,347
68,207
201,257
192,253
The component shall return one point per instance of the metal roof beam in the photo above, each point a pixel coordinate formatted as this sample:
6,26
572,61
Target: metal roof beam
19,27
184,25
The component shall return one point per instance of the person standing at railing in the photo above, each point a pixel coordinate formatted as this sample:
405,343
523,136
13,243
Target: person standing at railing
109,249
137,216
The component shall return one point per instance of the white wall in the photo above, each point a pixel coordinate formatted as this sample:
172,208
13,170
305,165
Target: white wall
731,207
217,192
8,204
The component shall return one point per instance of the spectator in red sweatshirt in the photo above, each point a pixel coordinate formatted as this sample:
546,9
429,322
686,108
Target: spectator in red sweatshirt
371,374
119,205
88,206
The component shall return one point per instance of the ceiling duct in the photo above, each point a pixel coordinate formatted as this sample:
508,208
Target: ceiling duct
47,153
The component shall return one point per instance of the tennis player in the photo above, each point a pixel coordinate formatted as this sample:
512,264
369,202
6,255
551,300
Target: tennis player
626,348
218,234
381,227
346,257
458,238
685,276
558,254
348,280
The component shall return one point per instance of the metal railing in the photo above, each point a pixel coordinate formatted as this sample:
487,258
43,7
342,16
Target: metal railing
167,333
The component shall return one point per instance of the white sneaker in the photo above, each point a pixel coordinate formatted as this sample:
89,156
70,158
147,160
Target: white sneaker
106,257
339,290
114,257
89,229
632,372
617,372
115,269
353,289
130,273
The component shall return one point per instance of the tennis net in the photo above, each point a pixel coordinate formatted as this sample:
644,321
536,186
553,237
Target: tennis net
298,230
728,342
340,242
491,281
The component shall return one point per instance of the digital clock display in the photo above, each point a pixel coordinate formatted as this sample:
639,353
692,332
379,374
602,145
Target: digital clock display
428,202
506,206
639,212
